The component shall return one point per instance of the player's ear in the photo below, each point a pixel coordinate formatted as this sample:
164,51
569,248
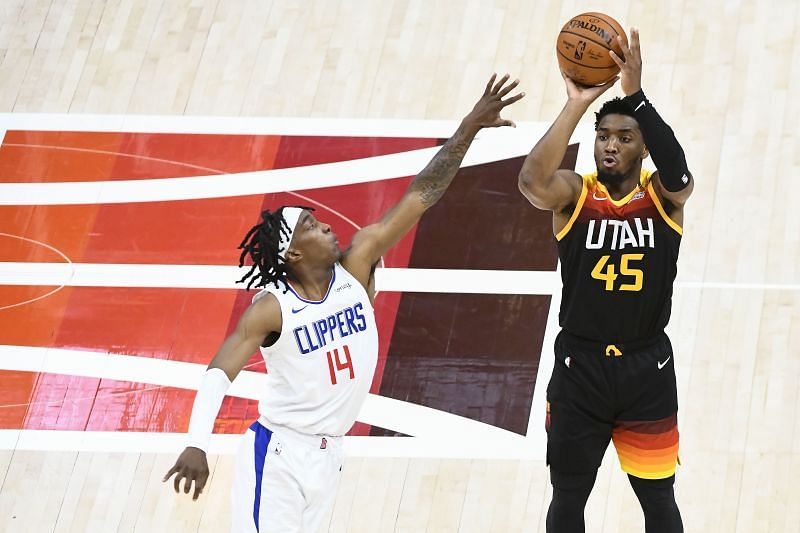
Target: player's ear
293,255
645,153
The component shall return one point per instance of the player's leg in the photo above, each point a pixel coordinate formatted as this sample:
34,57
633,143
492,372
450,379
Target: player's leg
646,433
266,495
321,485
570,493
244,486
579,424
657,498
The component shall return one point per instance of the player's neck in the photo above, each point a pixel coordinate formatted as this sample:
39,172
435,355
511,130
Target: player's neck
312,283
619,188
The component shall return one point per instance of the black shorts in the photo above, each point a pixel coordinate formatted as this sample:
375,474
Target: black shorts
600,392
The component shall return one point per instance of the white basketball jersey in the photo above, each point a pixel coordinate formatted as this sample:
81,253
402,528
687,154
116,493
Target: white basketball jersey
321,367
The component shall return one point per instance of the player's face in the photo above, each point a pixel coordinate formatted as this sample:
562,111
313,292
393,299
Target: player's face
618,147
315,240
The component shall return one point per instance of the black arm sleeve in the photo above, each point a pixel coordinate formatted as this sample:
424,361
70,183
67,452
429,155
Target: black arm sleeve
664,148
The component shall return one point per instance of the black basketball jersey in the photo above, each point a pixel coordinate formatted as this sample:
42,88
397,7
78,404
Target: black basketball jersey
618,263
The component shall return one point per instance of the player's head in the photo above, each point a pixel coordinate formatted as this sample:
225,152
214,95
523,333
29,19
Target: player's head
284,240
619,147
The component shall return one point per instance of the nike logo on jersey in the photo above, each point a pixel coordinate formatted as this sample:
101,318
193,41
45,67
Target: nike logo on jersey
295,311
661,365
594,195
638,106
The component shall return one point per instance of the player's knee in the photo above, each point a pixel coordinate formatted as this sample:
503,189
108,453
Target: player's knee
570,492
654,493
657,499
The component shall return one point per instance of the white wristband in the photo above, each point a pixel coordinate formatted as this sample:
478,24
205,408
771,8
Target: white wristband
206,407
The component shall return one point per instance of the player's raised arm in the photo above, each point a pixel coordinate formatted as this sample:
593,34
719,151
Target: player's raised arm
673,181
373,241
540,179
262,318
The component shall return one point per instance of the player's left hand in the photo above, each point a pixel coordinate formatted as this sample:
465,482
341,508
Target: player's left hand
486,113
630,65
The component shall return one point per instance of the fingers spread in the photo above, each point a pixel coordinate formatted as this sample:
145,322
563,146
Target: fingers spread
170,473
635,42
500,84
508,89
489,85
199,485
626,51
511,100
177,483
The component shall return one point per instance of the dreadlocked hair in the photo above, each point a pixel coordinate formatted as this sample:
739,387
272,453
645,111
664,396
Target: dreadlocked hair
261,245
615,106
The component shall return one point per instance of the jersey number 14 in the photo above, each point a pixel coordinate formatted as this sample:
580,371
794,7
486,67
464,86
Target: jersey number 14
334,359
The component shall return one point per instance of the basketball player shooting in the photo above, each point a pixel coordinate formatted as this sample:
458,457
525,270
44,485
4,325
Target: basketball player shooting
315,326
618,231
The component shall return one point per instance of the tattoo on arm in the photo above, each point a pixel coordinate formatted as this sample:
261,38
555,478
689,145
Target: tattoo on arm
437,175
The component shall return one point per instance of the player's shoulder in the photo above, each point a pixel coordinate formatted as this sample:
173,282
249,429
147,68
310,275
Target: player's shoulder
265,302
264,314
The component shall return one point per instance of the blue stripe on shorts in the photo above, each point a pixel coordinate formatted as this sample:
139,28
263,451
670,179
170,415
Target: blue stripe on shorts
263,435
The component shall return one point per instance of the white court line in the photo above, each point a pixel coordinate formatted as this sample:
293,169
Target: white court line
304,126
173,443
249,183
388,413
224,277
536,431
386,279
490,145
49,293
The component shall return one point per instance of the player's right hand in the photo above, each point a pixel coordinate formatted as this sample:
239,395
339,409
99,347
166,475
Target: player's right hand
584,94
191,466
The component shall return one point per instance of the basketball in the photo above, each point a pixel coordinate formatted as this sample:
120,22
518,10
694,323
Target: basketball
583,45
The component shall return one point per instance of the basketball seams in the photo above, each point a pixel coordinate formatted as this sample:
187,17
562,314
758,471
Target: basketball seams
580,35
601,43
581,64
611,24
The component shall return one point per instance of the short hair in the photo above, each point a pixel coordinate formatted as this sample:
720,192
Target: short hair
615,106
261,246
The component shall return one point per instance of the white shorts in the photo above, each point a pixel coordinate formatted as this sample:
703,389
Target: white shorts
284,481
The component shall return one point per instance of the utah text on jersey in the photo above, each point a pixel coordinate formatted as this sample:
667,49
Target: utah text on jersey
618,263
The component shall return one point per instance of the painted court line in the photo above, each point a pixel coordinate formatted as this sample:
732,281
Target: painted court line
173,443
388,413
386,279
224,277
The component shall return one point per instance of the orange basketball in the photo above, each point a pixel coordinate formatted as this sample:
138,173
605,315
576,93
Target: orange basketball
583,45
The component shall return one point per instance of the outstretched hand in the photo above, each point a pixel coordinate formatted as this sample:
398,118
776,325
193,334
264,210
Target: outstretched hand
486,113
630,64
583,93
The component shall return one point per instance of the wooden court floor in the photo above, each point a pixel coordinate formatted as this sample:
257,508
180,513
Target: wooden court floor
723,74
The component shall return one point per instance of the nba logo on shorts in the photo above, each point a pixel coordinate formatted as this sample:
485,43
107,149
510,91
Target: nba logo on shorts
324,444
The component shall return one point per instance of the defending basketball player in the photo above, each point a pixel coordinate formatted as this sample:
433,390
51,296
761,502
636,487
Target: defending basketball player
618,231
315,326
